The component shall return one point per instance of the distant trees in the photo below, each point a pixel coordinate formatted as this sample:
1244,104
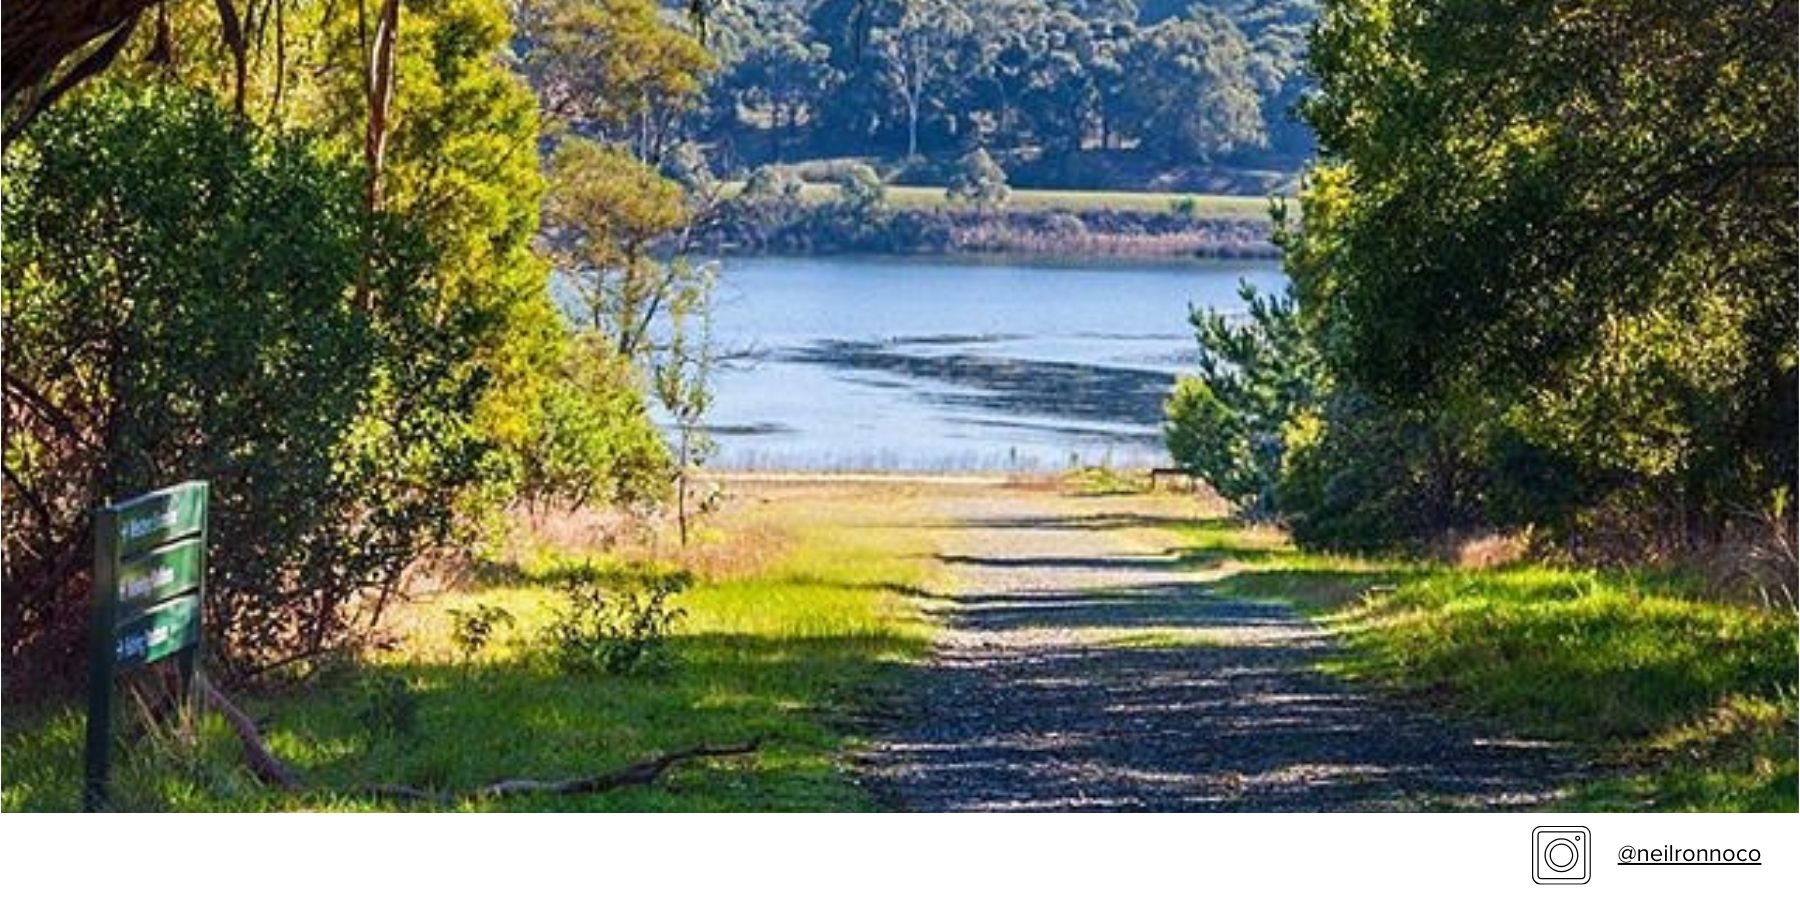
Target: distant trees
1027,77
1189,90
915,50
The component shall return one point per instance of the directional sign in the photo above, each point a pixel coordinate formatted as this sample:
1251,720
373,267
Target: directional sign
158,632
159,518
161,573
149,588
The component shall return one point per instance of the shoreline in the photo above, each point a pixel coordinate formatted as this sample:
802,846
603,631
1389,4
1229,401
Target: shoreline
786,226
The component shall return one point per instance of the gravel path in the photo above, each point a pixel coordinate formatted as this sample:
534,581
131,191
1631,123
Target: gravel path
1081,669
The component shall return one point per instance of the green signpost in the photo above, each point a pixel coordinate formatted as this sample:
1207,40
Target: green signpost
149,585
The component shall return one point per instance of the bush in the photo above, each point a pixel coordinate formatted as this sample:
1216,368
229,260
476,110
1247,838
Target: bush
860,190
182,301
614,624
593,442
471,629
1229,424
771,183
979,180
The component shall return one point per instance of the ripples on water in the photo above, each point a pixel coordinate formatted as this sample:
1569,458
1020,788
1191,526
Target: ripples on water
905,364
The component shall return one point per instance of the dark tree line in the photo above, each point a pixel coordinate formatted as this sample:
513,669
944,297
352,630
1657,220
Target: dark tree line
1042,81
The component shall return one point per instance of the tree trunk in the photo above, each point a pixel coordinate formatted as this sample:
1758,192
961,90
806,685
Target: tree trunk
380,88
912,127
681,491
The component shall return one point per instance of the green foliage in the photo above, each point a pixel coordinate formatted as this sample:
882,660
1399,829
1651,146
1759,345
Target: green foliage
387,706
471,629
1548,279
595,444
463,164
180,304
1188,89
1533,222
614,625
617,71
1229,425
1043,80
978,180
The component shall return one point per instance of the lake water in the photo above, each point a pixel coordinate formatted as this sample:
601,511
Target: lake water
853,363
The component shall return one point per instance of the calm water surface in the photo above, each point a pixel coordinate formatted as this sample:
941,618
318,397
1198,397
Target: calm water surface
852,363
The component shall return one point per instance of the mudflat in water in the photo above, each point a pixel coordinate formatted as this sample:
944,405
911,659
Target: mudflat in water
992,365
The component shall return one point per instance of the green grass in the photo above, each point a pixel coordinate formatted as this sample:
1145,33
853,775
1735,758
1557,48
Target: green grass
1692,701
796,654
1205,206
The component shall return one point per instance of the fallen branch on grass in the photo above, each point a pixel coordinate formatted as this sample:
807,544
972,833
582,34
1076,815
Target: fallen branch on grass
638,773
263,764
271,772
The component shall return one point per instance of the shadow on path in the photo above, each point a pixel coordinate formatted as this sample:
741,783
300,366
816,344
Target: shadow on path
1080,672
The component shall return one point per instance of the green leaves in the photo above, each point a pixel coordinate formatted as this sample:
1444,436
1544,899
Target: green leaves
179,290
1558,230
1258,374
978,180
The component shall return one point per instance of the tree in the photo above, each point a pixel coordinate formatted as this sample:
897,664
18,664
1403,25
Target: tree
1259,378
606,210
615,70
209,330
914,50
682,370
979,180
1542,214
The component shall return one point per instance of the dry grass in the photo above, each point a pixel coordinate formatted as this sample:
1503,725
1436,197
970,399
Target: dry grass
1200,206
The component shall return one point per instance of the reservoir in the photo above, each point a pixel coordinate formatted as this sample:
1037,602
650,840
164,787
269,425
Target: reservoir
834,363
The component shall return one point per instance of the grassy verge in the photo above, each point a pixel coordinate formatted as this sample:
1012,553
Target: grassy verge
1692,701
795,650
1200,206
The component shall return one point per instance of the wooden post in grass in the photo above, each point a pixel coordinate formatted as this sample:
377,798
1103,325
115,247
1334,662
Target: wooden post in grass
149,585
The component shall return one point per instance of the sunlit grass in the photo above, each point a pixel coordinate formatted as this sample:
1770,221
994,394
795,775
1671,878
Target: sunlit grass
1202,206
1695,697
798,654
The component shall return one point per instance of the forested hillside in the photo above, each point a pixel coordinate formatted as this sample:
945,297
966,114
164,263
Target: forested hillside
1064,93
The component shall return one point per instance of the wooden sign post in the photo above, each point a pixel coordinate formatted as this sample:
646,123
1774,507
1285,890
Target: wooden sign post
149,584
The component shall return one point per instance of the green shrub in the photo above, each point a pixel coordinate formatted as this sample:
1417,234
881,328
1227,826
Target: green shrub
472,629
617,624
187,297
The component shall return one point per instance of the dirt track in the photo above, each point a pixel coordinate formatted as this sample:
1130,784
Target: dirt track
1082,667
